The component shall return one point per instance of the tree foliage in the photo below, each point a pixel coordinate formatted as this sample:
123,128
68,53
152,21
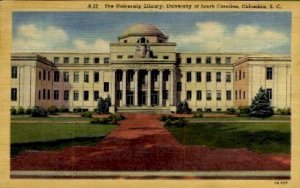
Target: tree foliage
183,108
103,105
261,105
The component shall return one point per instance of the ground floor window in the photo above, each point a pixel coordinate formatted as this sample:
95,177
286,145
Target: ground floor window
228,95
96,95
188,95
56,95
269,93
218,95
199,95
66,95
106,87
86,95
14,94
76,96
208,95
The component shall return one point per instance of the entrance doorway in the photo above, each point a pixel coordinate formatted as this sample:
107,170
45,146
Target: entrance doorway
142,98
154,98
129,98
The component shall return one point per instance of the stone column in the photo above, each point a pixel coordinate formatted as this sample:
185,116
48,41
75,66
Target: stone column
149,89
113,88
171,89
160,87
136,87
124,88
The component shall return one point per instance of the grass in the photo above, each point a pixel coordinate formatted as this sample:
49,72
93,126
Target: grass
45,132
273,118
262,137
49,119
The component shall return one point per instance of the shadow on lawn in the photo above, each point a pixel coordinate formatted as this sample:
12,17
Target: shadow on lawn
54,145
218,135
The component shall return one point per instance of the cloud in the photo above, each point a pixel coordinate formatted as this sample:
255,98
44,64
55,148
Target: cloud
215,36
32,38
100,45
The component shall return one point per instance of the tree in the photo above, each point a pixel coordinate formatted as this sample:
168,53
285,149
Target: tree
103,105
183,108
261,106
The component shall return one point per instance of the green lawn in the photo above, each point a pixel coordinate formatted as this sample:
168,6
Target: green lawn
263,137
49,119
45,132
273,118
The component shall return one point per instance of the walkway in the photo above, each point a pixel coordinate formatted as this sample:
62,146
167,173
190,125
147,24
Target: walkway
142,143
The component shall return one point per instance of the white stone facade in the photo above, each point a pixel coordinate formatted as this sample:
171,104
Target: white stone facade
144,71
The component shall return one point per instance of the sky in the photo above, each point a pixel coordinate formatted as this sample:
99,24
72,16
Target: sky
264,32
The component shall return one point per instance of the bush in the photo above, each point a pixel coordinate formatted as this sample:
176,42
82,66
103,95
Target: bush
283,111
52,110
198,114
244,111
116,117
63,109
20,110
39,112
111,120
28,111
100,121
103,105
13,111
171,121
87,114
77,110
183,108
231,110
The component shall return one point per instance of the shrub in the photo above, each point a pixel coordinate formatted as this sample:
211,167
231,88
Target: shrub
111,120
183,108
28,111
244,111
99,121
198,114
39,112
63,109
231,110
171,121
13,111
103,105
87,114
52,110
116,117
261,106
283,111
20,110
77,110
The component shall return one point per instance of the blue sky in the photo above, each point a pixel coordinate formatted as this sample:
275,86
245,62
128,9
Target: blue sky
192,31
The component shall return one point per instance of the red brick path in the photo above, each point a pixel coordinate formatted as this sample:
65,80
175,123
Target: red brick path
142,143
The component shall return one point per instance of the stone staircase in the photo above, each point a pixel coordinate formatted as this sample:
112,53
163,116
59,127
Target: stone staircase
144,109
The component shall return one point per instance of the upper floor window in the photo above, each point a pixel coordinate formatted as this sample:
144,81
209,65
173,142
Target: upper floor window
208,95
178,60
106,60
56,76
76,95
66,95
208,60
44,74
66,60
96,60
218,76
86,60
56,95
228,95
76,60
96,76
199,95
106,87
228,60
66,76
96,95
240,74
188,95
85,95
142,40
218,96
130,56
269,73
188,76
269,93
198,60
56,60
228,77
119,57
218,60
86,76
14,72
165,57
76,77
188,60
208,77
198,76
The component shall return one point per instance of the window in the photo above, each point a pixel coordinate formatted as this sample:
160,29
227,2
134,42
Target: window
188,60
39,94
130,56
165,94
240,74
208,60
66,95
40,75
56,95
96,95
228,60
236,95
165,57
198,76
269,93
119,77
66,76
188,76
165,77
14,72
49,75
96,60
86,60
208,95
66,60
199,95
218,76
86,77
96,76
56,76
179,86
198,60
269,73
119,57
244,75
106,60
85,95
56,60
235,76
48,94
244,94
76,77
14,94
179,60
44,94
208,77
76,60
218,60
240,94
188,95
44,74
119,95
228,95
228,77
218,97
76,96
106,87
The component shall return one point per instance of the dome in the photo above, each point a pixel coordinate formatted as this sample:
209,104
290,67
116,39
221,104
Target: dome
142,30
